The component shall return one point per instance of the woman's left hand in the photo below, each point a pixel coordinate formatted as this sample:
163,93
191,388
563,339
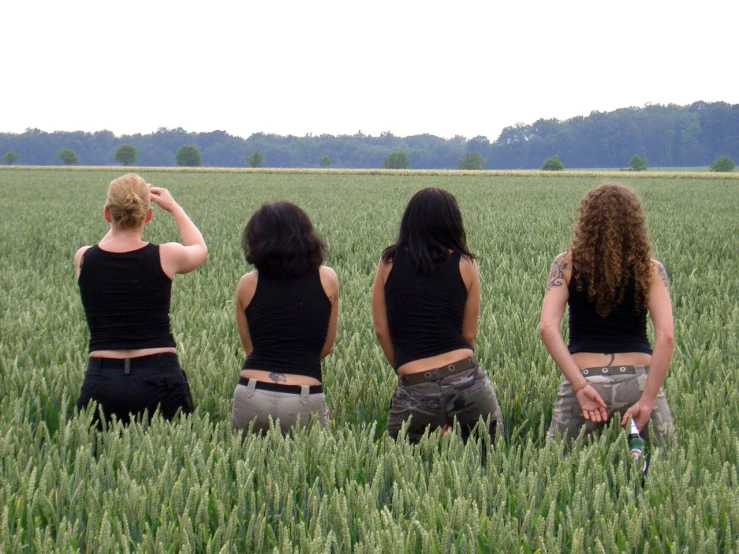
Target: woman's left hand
162,197
640,411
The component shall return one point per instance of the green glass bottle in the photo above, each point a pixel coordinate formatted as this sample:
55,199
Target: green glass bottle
637,447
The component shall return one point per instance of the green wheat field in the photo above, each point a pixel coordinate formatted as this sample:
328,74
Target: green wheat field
191,486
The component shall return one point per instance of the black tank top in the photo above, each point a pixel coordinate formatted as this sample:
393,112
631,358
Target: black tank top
624,329
288,323
126,299
425,311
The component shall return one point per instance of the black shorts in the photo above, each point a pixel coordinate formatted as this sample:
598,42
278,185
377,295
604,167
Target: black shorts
128,387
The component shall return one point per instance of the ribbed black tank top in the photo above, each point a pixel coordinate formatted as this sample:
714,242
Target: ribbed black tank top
624,329
288,323
126,299
425,311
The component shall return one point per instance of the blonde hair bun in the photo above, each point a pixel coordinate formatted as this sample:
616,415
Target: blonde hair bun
128,201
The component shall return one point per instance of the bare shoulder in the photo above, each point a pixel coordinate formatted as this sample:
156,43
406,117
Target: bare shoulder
466,261
659,270
246,288
248,281
329,280
560,272
328,273
79,255
468,267
384,268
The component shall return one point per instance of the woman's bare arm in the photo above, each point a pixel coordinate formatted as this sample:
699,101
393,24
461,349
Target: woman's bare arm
379,311
330,283
660,311
244,294
552,310
471,277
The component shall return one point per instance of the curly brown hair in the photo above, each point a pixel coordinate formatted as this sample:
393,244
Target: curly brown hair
610,245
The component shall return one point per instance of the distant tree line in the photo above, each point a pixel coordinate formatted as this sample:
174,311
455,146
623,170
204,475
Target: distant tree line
667,136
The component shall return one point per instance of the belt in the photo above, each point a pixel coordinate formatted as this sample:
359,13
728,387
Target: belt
438,373
274,387
127,364
613,370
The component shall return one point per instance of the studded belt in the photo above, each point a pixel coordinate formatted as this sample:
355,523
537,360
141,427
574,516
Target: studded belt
438,373
613,370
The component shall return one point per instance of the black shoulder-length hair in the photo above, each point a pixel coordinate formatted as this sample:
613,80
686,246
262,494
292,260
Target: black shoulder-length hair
280,241
431,226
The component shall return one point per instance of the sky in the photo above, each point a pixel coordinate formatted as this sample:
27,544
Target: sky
465,68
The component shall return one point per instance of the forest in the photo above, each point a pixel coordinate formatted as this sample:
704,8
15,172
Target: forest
666,135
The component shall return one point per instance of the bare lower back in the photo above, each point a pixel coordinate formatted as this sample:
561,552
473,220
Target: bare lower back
596,359
278,378
433,362
131,353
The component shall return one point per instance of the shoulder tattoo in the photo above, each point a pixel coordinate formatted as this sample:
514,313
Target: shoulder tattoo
557,272
663,275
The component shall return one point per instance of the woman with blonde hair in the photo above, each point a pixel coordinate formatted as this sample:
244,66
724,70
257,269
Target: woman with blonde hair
610,282
125,285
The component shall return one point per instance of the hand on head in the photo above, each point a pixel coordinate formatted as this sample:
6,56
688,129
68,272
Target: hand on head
162,198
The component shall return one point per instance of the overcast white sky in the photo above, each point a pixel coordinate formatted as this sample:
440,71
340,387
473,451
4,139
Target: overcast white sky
446,68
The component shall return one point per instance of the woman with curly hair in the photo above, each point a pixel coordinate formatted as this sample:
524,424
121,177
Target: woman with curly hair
610,282
286,314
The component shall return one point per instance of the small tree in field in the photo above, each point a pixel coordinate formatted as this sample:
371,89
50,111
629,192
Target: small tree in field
553,164
471,160
637,163
10,158
126,154
188,156
255,159
68,156
724,164
396,160
325,161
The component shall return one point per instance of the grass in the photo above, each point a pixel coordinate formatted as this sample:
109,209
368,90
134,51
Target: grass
190,486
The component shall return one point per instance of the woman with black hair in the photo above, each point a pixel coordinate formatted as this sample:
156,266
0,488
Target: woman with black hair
286,313
425,305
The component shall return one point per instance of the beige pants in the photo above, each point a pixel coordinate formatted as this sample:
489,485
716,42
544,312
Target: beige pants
288,409
619,392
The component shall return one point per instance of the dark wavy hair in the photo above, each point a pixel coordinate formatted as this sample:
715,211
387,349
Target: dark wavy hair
280,241
431,226
610,245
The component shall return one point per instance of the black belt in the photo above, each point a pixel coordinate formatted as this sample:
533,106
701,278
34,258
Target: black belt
274,387
612,370
438,373
127,364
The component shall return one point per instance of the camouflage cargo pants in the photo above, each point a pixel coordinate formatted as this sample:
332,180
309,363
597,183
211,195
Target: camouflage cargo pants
619,392
465,397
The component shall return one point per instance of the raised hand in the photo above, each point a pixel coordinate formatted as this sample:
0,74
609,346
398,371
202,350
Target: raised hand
162,198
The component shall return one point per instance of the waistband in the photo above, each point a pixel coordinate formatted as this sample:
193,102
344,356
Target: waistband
439,373
127,364
615,370
274,387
